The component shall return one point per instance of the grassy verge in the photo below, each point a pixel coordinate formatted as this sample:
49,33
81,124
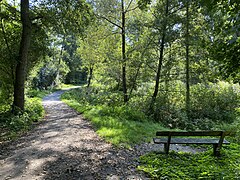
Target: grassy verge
120,125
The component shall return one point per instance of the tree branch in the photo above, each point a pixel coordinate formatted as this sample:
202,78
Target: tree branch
129,5
131,9
5,38
113,23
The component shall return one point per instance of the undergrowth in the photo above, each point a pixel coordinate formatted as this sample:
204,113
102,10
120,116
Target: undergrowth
193,166
12,125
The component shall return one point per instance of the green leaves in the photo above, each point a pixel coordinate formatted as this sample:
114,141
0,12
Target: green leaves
143,4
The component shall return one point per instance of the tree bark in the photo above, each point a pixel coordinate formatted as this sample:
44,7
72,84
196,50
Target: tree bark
57,79
160,61
20,74
124,81
90,76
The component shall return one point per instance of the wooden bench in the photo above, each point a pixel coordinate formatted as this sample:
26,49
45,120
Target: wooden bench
216,142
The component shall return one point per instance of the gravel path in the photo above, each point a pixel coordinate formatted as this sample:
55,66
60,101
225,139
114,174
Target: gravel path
65,146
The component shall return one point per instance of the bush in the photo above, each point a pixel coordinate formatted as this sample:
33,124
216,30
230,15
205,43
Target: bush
234,128
217,102
211,104
33,93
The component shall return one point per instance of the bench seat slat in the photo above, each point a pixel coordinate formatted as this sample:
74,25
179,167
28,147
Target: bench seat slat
188,141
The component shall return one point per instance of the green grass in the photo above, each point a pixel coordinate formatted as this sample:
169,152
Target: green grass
193,166
119,125
38,93
62,86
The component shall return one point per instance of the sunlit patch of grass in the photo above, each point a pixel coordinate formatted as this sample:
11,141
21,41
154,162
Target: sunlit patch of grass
37,93
63,86
193,166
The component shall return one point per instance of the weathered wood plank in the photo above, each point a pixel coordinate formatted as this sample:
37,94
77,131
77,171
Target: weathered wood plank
188,141
191,133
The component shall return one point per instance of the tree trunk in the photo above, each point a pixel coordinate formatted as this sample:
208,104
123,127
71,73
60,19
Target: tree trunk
20,73
187,64
90,76
57,81
134,81
124,81
160,61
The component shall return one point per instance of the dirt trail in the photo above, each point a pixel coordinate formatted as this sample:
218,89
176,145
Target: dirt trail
66,147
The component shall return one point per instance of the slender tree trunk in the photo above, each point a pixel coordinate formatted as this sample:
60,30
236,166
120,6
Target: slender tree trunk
90,76
160,61
187,64
124,81
134,81
57,79
20,73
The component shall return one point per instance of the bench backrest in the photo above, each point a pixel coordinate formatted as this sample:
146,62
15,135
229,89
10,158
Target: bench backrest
192,133
217,147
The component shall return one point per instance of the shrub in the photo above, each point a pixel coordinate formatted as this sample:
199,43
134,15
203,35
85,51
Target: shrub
211,104
217,102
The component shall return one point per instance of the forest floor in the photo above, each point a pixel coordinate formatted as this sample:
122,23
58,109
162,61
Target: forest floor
65,146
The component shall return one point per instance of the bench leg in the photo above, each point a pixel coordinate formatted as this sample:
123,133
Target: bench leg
216,150
166,148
